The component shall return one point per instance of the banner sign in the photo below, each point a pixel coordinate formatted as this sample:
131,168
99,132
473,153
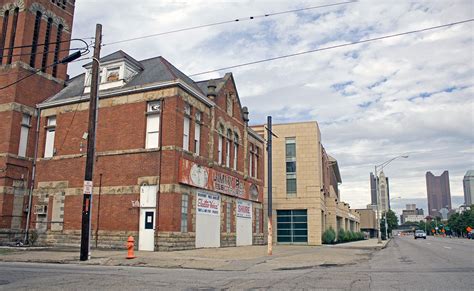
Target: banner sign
244,209
203,177
208,203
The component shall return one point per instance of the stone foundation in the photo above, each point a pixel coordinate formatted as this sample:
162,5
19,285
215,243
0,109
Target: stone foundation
175,241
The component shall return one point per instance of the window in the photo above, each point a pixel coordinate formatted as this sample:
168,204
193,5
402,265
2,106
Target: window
227,148
25,128
292,226
228,214
13,34
291,165
57,49
153,125
113,74
255,164
34,44
236,150
219,145
257,221
251,161
184,213
4,34
50,133
230,104
197,133
187,121
44,63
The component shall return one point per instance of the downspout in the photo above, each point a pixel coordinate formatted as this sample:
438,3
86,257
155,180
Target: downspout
159,168
33,176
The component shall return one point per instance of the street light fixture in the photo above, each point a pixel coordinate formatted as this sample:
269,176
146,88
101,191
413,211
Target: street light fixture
381,166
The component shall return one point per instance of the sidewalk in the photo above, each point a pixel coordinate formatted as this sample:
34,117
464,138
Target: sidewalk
364,244
219,259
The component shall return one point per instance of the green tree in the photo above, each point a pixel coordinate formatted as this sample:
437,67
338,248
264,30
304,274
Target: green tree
392,223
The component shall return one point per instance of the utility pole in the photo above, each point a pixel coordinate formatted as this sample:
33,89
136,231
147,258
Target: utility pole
269,188
379,234
88,186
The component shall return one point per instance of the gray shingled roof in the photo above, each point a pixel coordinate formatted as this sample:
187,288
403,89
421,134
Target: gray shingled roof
203,84
154,70
117,56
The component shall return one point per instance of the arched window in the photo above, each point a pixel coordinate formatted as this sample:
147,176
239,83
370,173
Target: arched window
13,34
4,34
57,49
236,150
34,43
46,45
219,144
227,148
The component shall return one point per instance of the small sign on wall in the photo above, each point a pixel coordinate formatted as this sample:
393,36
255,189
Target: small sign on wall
244,209
208,203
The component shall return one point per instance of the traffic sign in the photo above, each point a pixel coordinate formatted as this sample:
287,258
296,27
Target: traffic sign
468,229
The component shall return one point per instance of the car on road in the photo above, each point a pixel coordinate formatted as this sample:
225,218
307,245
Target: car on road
420,234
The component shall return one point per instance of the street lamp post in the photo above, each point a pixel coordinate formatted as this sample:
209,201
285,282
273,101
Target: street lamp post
377,191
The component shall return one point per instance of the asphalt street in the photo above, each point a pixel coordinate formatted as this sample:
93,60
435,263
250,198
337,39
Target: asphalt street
406,264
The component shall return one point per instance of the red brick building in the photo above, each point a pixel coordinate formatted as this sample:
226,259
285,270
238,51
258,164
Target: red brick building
24,27
177,165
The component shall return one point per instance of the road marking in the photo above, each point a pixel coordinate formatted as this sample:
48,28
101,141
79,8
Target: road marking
428,243
447,247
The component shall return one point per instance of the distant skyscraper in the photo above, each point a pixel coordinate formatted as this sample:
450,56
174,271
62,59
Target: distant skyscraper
384,191
468,183
439,194
373,189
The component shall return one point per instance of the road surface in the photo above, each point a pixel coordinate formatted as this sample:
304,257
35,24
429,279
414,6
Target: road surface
406,264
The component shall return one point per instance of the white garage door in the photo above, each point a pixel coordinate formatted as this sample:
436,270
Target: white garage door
244,223
208,219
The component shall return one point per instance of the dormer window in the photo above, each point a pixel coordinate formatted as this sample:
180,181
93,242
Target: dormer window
115,71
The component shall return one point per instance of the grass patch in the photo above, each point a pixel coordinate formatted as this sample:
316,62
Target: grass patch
5,252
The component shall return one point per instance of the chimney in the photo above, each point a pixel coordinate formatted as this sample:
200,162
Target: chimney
245,110
211,89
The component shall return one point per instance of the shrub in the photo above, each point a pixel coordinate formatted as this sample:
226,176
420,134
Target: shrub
341,236
329,236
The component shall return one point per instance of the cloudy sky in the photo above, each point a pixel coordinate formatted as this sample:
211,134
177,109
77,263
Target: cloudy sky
374,101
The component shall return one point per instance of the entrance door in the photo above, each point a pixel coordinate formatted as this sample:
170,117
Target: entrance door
146,241
244,223
292,226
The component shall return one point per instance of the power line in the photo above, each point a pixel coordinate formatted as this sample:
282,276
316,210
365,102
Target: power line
47,52
49,43
229,21
334,47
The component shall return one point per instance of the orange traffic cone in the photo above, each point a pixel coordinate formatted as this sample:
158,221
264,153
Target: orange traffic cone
130,246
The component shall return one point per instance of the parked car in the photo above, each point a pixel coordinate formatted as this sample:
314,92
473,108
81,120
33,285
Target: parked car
420,234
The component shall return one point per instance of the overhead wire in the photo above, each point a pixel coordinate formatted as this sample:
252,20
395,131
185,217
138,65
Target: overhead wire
334,47
228,21
45,67
47,43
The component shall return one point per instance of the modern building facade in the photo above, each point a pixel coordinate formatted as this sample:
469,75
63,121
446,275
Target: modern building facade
306,198
438,192
34,35
368,221
468,185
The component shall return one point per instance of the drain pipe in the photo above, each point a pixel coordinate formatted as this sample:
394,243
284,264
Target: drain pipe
33,174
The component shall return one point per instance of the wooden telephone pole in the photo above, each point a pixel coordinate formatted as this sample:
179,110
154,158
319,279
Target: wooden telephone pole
89,173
